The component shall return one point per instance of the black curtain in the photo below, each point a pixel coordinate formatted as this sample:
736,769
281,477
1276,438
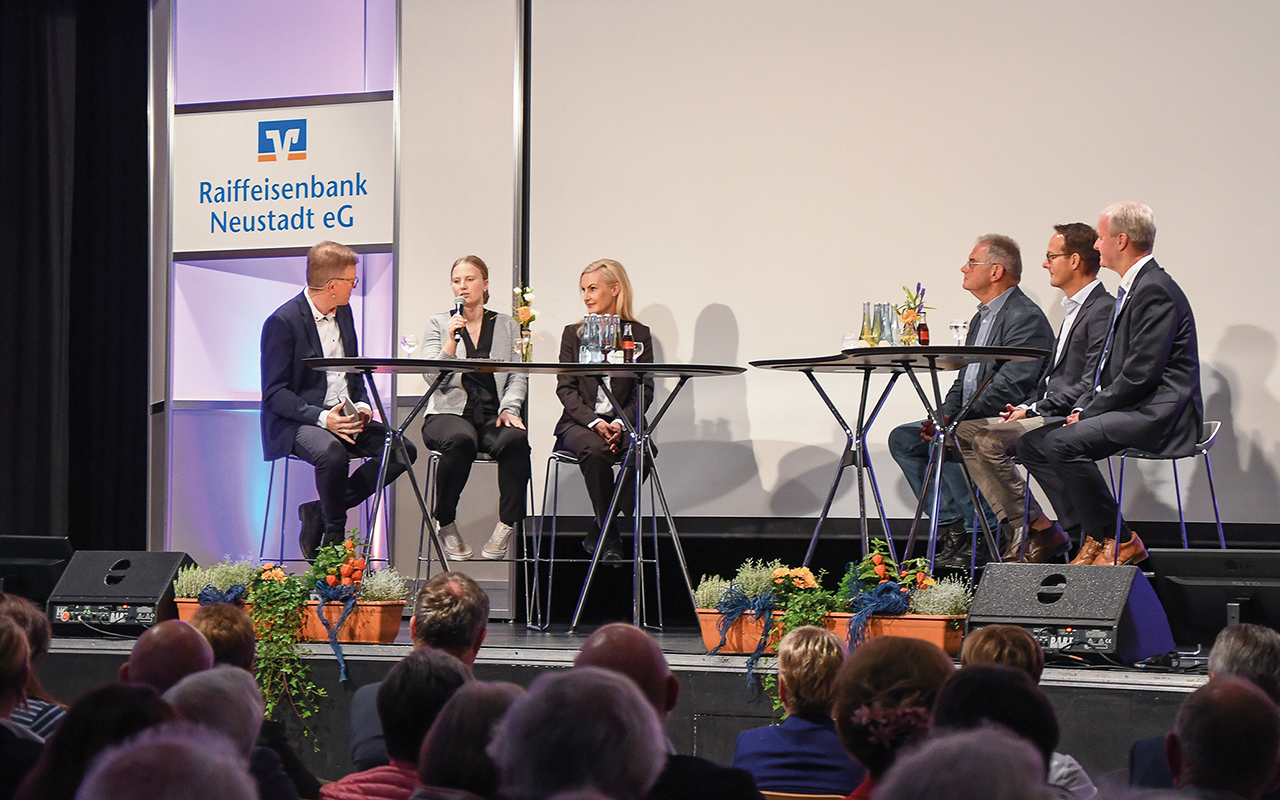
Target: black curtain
74,313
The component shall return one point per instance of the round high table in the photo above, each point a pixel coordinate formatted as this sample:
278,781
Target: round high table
638,452
895,362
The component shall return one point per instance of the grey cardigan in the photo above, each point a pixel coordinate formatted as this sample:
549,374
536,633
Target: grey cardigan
451,398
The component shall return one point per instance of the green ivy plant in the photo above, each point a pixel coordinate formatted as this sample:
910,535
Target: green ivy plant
278,605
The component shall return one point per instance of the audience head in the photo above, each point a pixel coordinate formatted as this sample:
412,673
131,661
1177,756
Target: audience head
229,632
166,653
102,718
627,649
614,274
15,665
1078,240
225,699
412,695
177,761
1251,652
1227,737
454,753
582,729
327,261
991,693
451,614
884,694
1009,645
808,659
981,764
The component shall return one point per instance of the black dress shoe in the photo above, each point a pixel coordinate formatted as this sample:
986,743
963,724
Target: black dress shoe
953,547
312,529
612,554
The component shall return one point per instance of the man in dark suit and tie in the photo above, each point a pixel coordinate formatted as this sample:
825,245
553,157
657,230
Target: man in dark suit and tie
989,445
1006,318
302,409
1146,393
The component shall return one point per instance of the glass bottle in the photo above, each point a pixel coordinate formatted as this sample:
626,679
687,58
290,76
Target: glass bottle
628,344
877,325
584,352
922,329
886,326
865,335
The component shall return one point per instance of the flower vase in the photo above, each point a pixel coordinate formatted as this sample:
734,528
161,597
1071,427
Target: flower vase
526,344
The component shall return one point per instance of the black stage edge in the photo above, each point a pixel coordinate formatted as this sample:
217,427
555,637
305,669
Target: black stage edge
1101,711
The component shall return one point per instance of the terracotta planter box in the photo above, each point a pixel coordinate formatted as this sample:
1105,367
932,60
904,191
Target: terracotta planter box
371,621
742,637
945,631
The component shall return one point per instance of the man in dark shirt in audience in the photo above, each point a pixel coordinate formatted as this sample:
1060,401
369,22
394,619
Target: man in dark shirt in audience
627,649
451,614
1226,742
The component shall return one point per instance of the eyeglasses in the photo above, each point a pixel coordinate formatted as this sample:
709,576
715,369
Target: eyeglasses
1051,256
354,281
971,263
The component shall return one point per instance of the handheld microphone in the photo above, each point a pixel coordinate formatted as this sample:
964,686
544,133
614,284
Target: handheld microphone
458,304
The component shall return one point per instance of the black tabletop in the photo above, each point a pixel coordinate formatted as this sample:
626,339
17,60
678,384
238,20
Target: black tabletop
895,359
417,366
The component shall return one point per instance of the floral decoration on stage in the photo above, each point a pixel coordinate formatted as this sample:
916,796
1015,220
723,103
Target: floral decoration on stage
909,312
524,313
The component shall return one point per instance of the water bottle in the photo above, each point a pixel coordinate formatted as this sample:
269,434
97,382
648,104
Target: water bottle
584,353
596,341
865,335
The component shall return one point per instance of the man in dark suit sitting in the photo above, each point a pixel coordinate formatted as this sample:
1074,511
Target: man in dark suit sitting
989,445
1006,318
627,649
302,409
1146,394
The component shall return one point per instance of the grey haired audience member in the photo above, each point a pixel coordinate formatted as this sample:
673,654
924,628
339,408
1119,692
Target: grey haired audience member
583,729
225,699
177,761
981,764
1226,739
453,756
1251,652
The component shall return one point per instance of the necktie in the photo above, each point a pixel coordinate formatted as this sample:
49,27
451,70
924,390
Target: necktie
1106,348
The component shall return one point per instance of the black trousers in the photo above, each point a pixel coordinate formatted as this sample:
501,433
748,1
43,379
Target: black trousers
596,462
1064,460
339,491
457,441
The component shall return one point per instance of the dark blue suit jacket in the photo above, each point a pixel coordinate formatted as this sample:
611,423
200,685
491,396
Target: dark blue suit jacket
292,394
803,755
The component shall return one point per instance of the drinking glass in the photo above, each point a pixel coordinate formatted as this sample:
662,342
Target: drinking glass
849,341
958,331
408,343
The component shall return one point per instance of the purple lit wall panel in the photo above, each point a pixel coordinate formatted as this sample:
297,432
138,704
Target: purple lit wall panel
228,50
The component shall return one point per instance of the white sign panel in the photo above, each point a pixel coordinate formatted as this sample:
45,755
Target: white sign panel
283,177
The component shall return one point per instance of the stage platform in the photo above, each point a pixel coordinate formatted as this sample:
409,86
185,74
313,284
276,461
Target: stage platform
1102,711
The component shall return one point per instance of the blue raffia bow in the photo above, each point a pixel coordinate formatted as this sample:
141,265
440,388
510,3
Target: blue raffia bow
336,594
886,598
733,604
212,594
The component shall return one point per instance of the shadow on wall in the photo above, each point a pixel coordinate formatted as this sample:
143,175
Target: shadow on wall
705,434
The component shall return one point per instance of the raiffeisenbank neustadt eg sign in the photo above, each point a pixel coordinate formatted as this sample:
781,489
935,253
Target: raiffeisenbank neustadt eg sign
284,177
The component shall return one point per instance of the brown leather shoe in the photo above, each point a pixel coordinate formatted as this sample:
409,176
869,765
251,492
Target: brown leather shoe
1131,552
1049,543
1088,552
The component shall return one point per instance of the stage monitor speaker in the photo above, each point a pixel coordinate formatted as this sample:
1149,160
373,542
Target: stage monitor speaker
31,565
115,591
1078,610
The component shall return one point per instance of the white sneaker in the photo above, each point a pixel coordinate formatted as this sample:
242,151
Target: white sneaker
496,547
453,544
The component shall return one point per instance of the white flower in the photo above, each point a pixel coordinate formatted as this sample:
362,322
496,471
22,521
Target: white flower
516,289
528,296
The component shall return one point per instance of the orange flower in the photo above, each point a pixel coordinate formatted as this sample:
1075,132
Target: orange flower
524,314
908,317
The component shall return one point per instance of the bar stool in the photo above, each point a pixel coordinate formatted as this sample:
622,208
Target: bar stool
551,483
284,510
517,541
1208,434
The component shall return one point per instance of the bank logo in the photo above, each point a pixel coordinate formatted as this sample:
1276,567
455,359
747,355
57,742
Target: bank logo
281,139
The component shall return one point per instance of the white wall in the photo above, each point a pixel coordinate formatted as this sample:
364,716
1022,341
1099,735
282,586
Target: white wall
763,167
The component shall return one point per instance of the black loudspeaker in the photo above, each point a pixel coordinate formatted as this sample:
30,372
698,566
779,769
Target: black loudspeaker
31,565
115,592
1078,610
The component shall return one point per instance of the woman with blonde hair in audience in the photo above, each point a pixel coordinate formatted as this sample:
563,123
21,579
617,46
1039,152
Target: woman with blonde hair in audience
1012,646
39,712
19,747
803,755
